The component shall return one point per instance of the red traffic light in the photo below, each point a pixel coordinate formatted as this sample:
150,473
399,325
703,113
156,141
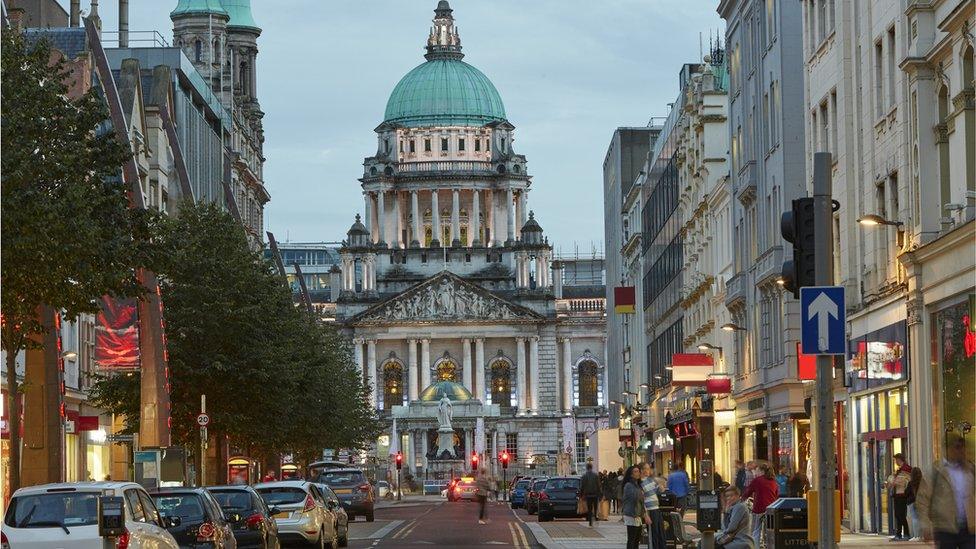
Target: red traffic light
474,459
399,460
505,457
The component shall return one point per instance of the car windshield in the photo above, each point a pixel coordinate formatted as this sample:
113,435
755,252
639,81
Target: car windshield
563,484
522,484
282,495
232,499
343,478
189,507
53,510
538,485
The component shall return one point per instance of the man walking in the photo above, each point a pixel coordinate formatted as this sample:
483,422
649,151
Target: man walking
679,485
652,510
740,475
483,486
590,487
945,499
897,485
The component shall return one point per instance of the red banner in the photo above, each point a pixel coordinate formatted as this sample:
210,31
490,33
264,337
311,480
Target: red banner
806,365
117,335
690,369
624,300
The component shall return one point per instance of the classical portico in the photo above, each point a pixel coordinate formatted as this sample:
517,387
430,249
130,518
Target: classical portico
447,279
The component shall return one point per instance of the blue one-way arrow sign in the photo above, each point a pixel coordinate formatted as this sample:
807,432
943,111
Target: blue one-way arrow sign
822,320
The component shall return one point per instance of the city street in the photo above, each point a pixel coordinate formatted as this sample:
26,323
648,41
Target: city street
432,521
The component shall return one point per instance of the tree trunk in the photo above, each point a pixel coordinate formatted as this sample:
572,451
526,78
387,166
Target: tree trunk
13,422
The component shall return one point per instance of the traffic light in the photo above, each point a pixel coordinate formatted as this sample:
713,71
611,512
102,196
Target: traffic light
474,461
797,228
399,460
505,459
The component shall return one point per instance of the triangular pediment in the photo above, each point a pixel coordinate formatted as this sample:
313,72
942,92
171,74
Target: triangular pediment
445,297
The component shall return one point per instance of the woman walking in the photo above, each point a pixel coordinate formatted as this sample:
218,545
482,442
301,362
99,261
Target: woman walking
632,499
913,486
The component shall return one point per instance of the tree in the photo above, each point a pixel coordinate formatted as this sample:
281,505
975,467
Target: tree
68,234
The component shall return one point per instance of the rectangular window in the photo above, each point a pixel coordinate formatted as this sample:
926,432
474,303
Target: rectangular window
511,445
426,145
477,145
581,447
767,138
443,144
822,21
892,69
401,146
773,126
824,128
833,123
413,146
878,79
771,18
461,144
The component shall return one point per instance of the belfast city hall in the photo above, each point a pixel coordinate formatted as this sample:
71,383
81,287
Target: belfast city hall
448,286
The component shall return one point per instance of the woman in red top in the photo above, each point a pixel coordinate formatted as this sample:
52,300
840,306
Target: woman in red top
764,491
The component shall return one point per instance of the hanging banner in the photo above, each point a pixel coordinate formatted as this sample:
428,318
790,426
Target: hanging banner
690,368
479,435
117,335
569,436
624,300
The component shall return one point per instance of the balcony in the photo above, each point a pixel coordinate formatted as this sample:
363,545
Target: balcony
464,167
581,306
769,266
735,290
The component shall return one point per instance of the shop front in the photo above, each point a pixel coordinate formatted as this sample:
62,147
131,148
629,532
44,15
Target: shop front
954,363
692,427
662,446
877,374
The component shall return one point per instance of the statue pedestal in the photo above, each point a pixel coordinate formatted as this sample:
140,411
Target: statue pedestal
445,440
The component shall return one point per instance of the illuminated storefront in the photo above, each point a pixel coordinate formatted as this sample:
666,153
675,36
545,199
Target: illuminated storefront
954,362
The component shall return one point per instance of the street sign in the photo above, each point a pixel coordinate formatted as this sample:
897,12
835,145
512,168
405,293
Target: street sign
119,438
822,320
203,420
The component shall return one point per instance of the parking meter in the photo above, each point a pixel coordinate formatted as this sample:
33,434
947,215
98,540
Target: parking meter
111,517
709,510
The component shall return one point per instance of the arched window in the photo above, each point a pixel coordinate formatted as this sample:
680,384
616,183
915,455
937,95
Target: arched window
589,384
197,51
446,370
392,384
501,382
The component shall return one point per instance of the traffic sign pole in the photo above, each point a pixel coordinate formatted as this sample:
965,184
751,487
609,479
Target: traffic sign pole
826,460
203,443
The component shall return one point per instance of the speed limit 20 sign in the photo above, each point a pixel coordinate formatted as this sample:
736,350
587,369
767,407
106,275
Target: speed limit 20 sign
203,420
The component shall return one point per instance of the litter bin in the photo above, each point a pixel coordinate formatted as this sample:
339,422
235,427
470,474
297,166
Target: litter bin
785,523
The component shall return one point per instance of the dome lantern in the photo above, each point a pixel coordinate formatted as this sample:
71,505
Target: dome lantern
358,235
444,41
532,231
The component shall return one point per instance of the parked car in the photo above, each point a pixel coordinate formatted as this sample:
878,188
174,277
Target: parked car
254,526
558,498
202,522
301,512
532,497
465,489
354,491
65,515
384,490
519,490
342,519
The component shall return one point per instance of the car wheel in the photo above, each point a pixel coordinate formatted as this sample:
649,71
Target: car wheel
344,538
544,518
369,516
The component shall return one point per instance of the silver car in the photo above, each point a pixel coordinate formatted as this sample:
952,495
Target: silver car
301,513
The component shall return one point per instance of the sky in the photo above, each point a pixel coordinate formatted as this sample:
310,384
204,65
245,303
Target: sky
569,72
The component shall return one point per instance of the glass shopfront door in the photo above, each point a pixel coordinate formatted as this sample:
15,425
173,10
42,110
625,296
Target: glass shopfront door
876,460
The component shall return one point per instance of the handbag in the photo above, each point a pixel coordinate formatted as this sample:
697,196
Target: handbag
581,506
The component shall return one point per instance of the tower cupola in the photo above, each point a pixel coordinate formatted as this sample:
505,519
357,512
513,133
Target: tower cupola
532,231
358,235
444,41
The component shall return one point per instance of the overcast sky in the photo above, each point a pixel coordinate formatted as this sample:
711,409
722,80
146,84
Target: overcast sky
568,71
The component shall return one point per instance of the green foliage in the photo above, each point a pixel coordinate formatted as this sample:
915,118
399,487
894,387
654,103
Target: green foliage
68,234
276,380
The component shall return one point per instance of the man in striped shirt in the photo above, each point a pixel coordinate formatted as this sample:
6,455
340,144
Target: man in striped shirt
652,510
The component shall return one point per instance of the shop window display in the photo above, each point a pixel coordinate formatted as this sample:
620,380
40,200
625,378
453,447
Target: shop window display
954,358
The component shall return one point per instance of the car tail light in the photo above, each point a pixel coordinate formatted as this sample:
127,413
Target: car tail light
206,531
254,521
4,544
122,542
543,495
309,504
365,487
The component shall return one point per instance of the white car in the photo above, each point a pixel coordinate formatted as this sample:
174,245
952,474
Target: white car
301,513
65,515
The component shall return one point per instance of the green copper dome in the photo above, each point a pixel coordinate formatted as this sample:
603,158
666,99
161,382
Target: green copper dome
437,391
196,7
444,92
240,14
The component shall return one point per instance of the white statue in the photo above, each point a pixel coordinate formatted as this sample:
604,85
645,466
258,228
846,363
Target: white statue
445,413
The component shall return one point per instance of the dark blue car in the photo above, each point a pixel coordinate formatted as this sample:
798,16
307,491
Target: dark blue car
519,491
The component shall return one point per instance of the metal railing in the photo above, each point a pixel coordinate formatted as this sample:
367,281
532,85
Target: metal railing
444,165
137,39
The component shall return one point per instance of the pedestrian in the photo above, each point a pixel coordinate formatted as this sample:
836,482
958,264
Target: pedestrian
483,487
590,489
652,508
751,473
493,483
679,485
269,477
618,489
912,511
945,499
764,491
798,484
740,475
630,506
897,485
734,530
783,480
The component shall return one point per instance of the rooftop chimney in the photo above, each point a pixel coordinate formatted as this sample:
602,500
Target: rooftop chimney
75,20
123,23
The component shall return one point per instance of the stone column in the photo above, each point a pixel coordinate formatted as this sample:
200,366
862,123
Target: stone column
466,364
479,369
606,376
397,225
371,370
369,215
381,216
424,363
412,369
520,373
540,275
423,447
520,213
415,212
455,218
492,225
510,212
534,374
357,353
474,227
367,270
435,225
567,375
468,449
408,455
